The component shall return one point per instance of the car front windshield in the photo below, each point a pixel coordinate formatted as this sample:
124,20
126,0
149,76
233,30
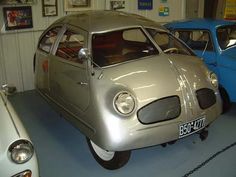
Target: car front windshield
119,46
168,43
226,36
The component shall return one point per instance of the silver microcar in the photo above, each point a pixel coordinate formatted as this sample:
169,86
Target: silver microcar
125,82
17,155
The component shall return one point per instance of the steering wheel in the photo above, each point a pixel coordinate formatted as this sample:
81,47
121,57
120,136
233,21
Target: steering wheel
171,50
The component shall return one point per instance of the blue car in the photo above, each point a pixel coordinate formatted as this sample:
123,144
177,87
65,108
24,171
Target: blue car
215,42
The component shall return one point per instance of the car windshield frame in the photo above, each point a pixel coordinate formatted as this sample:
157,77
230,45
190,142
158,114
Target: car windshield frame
185,49
127,51
225,37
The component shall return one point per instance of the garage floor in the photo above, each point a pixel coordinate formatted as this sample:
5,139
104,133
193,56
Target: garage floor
62,150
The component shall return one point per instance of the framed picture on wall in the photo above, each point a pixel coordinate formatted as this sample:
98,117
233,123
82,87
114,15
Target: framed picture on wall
77,5
17,1
115,5
19,17
49,8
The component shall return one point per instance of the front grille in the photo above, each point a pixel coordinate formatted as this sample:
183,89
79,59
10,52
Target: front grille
206,98
160,110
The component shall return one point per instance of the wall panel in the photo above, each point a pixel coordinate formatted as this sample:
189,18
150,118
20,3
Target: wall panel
17,47
2,65
26,58
11,58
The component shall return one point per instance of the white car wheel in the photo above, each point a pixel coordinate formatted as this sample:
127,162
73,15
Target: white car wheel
108,159
103,154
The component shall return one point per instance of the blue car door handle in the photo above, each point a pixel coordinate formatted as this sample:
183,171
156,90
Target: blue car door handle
212,64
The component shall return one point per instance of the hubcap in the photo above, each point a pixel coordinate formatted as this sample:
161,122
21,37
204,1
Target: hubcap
103,154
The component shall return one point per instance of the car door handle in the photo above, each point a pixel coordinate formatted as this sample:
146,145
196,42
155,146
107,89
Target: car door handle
82,83
212,64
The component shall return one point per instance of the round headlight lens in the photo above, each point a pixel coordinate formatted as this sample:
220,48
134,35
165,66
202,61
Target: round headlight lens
21,151
124,103
214,79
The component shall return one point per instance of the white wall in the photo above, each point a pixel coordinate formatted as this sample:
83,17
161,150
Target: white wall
17,47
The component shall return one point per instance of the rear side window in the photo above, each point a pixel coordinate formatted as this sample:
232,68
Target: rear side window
48,39
120,46
196,39
69,46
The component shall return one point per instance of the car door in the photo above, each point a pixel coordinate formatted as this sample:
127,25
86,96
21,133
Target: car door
42,56
69,81
201,42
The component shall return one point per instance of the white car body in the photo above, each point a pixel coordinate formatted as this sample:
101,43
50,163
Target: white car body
11,131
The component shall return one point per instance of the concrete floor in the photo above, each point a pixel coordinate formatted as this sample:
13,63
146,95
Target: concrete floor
62,150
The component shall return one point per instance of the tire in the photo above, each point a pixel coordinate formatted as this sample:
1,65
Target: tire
110,160
225,100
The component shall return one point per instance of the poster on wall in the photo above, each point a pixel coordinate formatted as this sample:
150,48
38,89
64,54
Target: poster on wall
145,4
17,17
230,10
76,5
17,2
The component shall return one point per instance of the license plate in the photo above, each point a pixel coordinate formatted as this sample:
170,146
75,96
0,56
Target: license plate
191,127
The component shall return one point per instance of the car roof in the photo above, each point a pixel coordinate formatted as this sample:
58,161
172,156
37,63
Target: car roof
103,20
200,23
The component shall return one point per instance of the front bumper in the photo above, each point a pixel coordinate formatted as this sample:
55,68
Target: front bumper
131,134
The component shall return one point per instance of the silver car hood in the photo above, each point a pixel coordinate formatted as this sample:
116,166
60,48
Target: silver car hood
192,70
152,78
148,79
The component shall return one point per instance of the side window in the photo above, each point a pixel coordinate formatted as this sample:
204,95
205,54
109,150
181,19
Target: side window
168,43
69,46
196,39
48,39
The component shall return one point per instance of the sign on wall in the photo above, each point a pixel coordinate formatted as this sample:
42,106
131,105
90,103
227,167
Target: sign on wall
164,11
145,4
230,10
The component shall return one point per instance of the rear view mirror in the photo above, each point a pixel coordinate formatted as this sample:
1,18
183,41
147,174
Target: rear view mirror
83,54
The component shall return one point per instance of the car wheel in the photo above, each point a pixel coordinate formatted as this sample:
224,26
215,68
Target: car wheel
225,99
110,160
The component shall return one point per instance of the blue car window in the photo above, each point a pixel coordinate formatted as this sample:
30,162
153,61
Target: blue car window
196,39
226,36
168,43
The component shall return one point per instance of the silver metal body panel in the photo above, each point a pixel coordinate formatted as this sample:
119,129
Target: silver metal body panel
12,130
90,106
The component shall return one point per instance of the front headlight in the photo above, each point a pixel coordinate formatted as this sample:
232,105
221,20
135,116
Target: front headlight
214,79
21,151
124,103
